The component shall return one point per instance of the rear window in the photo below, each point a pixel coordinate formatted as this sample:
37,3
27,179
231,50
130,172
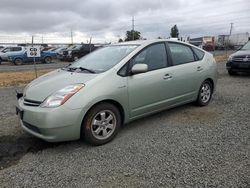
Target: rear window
199,54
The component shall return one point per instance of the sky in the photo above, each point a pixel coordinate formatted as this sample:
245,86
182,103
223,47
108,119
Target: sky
108,20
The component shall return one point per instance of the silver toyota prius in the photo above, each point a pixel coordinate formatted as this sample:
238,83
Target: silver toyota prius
114,85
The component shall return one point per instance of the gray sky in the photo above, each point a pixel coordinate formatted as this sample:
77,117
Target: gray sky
106,20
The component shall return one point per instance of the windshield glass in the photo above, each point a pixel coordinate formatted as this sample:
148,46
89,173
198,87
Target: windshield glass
247,46
105,58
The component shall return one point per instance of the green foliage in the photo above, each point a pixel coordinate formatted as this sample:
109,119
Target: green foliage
132,35
174,32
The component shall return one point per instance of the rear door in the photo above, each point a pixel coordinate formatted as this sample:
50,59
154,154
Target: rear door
186,71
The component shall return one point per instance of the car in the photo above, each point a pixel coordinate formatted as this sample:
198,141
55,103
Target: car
21,57
75,52
10,51
114,85
239,61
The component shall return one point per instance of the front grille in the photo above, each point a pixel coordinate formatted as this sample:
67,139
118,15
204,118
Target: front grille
241,59
31,127
28,102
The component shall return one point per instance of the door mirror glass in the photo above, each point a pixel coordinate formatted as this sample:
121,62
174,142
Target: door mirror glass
139,68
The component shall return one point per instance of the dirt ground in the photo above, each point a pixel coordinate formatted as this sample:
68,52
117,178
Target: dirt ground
19,78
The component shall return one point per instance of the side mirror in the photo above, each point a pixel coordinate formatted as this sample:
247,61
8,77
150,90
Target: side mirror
139,68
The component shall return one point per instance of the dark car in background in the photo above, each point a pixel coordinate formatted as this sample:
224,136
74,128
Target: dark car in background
75,52
239,61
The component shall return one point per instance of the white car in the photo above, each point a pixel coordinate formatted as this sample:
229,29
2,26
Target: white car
10,51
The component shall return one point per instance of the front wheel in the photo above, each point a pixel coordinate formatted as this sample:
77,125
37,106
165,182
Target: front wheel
18,61
101,124
205,93
231,73
47,59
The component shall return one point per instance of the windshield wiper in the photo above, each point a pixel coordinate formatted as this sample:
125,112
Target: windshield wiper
77,68
85,69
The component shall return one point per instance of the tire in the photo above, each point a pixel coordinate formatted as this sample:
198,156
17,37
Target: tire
101,124
231,73
75,58
18,61
0,61
205,93
47,59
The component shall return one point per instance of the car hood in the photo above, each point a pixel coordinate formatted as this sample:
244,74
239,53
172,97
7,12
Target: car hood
40,88
241,53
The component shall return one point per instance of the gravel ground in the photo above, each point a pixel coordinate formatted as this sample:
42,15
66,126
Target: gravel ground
187,146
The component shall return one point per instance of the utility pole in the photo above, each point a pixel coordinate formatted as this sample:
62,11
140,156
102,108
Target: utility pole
231,28
230,33
133,28
71,35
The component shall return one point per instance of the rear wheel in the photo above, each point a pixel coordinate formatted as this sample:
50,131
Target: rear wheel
101,124
205,93
47,59
18,61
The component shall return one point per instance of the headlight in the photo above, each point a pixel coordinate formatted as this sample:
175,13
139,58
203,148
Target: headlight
69,52
60,97
230,58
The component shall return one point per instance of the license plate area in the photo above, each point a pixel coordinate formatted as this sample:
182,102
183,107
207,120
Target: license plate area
19,112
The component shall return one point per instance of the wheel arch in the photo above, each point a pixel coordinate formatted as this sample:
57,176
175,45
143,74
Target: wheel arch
111,101
212,82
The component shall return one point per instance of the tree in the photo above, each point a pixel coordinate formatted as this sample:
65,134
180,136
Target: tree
120,40
132,35
174,32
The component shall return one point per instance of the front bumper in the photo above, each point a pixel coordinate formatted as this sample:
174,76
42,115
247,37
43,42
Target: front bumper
238,66
51,124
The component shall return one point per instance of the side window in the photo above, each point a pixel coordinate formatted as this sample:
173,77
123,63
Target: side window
15,49
6,50
180,53
154,56
200,54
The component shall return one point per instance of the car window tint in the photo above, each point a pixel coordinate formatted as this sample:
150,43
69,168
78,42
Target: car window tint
200,54
180,53
16,49
154,56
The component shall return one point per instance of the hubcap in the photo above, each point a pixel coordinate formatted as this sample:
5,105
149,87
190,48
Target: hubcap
103,124
47,60
75,58
205,93
18,61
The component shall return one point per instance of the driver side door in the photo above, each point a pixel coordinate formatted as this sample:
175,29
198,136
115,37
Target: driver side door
147,92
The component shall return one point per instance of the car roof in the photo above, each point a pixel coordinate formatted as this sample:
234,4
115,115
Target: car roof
146,42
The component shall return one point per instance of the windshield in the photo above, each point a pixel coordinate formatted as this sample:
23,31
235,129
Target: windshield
247,46
105,58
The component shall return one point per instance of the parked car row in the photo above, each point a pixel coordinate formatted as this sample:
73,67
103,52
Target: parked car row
18,54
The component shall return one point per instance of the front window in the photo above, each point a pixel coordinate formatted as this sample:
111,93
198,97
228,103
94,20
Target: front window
103,59
246,47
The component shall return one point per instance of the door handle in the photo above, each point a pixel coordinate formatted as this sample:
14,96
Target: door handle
199,68
167,77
